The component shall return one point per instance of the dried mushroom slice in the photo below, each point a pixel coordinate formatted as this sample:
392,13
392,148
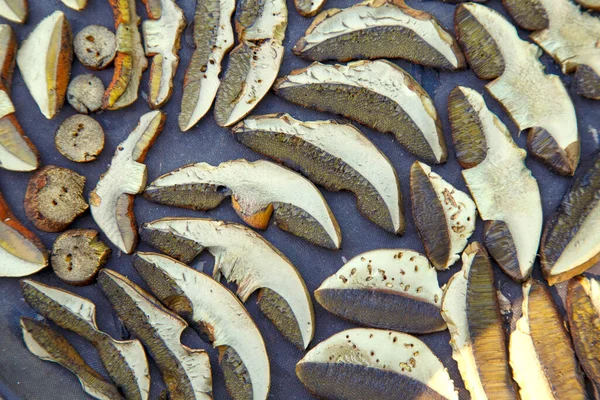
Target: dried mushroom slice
387,288
80,138
591,4
111,202
14,10
371,363
95,46
309,8
258,190
75,4
85,93
378,94
336,156
506,194
245,258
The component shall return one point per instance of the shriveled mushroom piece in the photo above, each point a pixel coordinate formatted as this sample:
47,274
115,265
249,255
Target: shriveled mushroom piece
14,10
95,46
378,94
75,4
111,202
506,194
309,8
591,4
258,190
245,258
361,363
534,100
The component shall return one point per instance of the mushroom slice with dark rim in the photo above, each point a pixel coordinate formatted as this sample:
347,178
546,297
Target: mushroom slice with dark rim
14,10
243,257
215,312
378,94
77,5
591,4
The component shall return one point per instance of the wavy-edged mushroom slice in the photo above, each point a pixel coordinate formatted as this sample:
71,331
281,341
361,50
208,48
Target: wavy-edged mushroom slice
534,100
377,94
591,4
215,312
365,363
124,360
14,10
258,190
243,257
506,194
309,8
111,202
386,288
77,5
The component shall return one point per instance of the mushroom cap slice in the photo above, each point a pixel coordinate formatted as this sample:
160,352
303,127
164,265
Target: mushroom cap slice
366,363
111,202
378,94
243,257
336,156
14,10
308,8
387,288
75,4
591,4
506,194
257,189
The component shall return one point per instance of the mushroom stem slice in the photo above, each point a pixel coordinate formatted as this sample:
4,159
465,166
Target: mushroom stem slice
77,5
309,8
14,10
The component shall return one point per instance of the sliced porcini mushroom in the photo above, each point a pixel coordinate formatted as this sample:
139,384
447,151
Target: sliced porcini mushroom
378,94
243,257
14,10
591,4
80,138
471,309
309,8
336,156
506,194
373,363
214,311
444,216
258,190
387,288
75,4
85,93
95,47
534,100
111,202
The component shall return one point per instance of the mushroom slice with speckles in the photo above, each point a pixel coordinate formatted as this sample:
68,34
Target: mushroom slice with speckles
258,189
75,4
111,202
534,100
125,361
243,257
215,312
591,4
506,194
388,288
14,10
309,8
378,94
362,363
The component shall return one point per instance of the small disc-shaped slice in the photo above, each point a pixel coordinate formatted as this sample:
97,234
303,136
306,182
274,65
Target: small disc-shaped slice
591,4
80,138
95,46
75,4
14,10
85,93
309,8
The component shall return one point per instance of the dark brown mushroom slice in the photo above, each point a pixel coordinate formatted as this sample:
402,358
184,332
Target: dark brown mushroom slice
95,46
85,93
80,138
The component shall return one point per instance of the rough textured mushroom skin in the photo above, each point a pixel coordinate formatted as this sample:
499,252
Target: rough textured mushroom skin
14,10
85,92
80,138
95,47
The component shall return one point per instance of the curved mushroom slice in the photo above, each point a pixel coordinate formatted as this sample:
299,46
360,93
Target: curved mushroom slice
309,8
378,94
387,288
257,189
591,4
245,258
111,202
75,4
372,363
506,194
14,10
533,99
215,312
336,156
444,216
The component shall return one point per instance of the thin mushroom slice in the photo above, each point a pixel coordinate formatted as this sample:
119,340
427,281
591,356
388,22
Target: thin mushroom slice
378,94
14,10
591,4
309,8
77,5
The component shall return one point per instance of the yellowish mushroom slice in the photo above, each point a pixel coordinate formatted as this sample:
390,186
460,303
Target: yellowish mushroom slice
216,313
309,8
258,190
75,4
362,363
534,100
506,194
111,202
378,94
14,10
591,4
243,257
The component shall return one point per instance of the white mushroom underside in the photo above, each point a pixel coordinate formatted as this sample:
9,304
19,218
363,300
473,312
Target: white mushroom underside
20,257
13,10
270,22
10,161
13,266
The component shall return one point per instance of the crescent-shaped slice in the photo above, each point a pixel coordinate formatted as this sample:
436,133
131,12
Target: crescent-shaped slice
309,8
591,4
14,10
362,363
257,189
243,257
378,94
77,5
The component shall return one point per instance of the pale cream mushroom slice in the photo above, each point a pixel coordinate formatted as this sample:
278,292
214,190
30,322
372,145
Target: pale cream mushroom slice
507,195
534,100
111,202
14,10
77,5
591,4
366,363
309,8
243,257
258,190
377,94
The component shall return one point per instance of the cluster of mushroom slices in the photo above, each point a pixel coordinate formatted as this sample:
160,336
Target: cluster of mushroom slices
257,189
378,94
534,100
14,10
506,194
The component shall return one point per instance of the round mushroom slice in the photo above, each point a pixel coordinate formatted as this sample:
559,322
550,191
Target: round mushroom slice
14,10
309,8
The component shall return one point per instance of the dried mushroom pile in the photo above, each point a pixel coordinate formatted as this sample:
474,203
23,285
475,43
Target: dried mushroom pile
474,315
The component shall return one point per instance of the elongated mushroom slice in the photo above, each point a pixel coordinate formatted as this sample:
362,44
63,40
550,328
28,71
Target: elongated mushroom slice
111,202
14,10
309,8
75,4
506,194
591,4
534,100
257,189
245,258
378,94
